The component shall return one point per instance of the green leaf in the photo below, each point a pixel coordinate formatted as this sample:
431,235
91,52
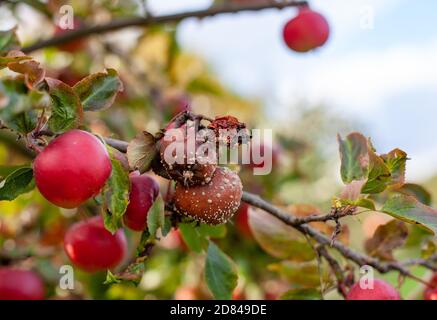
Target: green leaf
115,194
18,182
386,238
111,278
305,274
16,102
144,241
32,71
220,273
193,239
354,157
361,202
141,151
215,232
8,41
417,191
428,249
302,294
166,228
7,170
24,122
99,90
196,235
409,209
66,107
359,162
396,161
156,217
378,175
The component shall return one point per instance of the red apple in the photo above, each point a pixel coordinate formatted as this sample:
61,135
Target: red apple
72,168
144,191
75,45
263,150
381,291
242,220
93,248
431,292
69,76
17,284
307,31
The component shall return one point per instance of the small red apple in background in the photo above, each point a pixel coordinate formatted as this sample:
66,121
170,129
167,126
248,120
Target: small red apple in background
174,102
93,248
143,193
69,76
17,284
75,45
381,291
263,150
431,292
72,168
173,240
242,220
307,31
187,293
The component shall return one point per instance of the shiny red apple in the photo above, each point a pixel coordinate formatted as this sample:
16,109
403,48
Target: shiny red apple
93,248
75,45
144,191
307,31
17,284
72,168
381,291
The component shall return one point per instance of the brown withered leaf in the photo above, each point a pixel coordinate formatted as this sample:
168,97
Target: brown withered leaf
141,151
11,57
32,71
278,239
387,237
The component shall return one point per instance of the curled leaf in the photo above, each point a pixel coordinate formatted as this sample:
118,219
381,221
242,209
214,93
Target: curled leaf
409,209
386,238
115,194
417,191
12,57
99,90
141,151
278,239
66,111
32,71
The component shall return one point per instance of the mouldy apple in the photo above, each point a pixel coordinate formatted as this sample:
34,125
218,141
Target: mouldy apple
213,203
143,193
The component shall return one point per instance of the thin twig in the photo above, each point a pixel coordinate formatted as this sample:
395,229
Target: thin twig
336,269
151,20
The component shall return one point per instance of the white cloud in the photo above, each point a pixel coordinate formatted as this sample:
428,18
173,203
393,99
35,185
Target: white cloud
362,81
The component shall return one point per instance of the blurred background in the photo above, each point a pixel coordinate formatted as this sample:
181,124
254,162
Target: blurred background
375,75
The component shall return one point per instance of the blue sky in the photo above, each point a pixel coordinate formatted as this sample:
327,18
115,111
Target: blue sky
385,76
